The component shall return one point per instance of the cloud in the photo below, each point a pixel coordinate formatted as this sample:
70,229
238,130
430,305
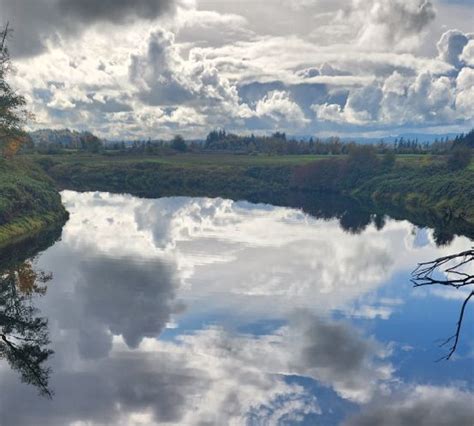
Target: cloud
164,78
465,93
209,377
111,302
337,354
467,55
361,107
210,28
212,376
401,98
215,241
398,24
423,406
40,23
427,98
159,73
123,389
211,68
451,46
116,11
278,106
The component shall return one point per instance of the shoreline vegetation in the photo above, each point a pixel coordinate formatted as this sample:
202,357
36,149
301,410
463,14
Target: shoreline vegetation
422,189
354,188
29,202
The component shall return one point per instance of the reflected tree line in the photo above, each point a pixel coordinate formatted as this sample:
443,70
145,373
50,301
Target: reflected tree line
24,334
354,217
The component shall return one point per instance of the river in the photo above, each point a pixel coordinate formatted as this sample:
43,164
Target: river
196,311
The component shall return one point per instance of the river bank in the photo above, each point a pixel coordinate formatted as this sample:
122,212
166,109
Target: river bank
424,193
29,201
414,188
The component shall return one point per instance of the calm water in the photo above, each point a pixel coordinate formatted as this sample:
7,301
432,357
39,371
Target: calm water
212,312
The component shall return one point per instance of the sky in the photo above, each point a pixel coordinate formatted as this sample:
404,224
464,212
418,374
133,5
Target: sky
128,69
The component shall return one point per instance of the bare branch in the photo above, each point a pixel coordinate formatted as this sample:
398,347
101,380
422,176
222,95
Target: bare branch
456,335
430,273
446,271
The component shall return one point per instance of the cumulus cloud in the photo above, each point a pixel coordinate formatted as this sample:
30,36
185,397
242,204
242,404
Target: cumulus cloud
329,112
423,406
337,354
465,93
212,376
129,388
163,78
214,241
411,98
126,298
398,24
467,55
279,106
451,46
159,73
364,66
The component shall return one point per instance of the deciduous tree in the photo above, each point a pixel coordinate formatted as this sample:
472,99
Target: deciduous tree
13,113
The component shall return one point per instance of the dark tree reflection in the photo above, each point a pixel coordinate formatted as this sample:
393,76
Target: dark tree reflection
442,238
24,336
449,271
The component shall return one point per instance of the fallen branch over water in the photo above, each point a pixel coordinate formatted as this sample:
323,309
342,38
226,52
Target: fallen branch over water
448,271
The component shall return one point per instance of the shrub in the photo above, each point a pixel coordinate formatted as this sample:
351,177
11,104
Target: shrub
320,175
459,158
363,159
388,160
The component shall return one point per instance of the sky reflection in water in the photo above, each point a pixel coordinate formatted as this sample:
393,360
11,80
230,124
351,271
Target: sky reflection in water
198,311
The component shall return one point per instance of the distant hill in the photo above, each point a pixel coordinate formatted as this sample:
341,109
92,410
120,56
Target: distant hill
64,138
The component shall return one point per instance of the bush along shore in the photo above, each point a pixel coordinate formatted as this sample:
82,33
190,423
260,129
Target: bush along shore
430,188
29,201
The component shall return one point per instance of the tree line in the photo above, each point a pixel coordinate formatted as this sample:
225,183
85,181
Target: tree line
221,142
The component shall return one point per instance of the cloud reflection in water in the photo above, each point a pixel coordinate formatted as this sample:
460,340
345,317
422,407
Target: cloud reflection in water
155,305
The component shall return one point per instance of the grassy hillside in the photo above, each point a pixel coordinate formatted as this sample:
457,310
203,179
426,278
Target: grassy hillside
29,201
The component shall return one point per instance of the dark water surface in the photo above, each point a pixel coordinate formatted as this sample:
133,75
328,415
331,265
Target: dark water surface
193,311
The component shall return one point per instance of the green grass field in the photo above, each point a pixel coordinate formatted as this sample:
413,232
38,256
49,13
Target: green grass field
184,160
